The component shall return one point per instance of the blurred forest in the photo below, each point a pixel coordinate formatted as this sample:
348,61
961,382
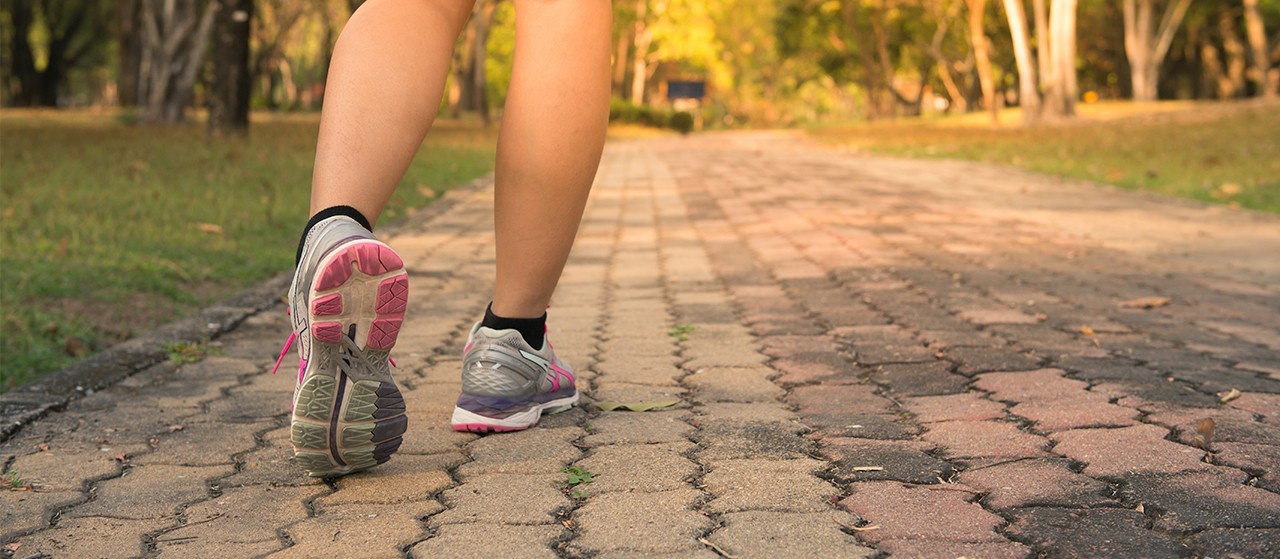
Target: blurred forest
764,62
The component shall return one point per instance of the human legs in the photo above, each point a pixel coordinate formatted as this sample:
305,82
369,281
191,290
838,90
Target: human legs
552,134
350,291
386,79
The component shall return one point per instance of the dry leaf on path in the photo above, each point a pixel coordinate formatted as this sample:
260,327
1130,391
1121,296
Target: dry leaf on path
210,228
1146,302
868,469
635,406
1228,396
1204,434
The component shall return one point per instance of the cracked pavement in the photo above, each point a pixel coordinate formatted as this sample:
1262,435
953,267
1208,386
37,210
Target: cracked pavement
872,357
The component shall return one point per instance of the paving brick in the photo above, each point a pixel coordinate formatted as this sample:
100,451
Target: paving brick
95,536
1155,395
875,353
974,360
637,428
203,444
957,407
734,385
838,400
650,372
64,468
811,367
609,391
1088,410
504,498
931,549
1257,459
240,521
923,379
1199,500
997,316
1091,533
905,461
984,439
24,511
1116,452
1237,542
769,485
780,346
152,491
770,534
639,467
1230,425
907,512
403,479
484,541
640,523
1267,405
1035,482
534,451
727,439
358,531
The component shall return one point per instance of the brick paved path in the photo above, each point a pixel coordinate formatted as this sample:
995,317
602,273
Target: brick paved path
878,356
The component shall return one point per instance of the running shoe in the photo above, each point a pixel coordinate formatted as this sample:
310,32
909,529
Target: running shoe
347,302
507,384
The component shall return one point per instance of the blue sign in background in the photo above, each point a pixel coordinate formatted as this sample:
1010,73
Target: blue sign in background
686,90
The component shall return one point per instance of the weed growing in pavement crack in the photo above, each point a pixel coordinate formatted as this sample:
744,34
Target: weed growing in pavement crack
681,332
184,352
578,475
14,482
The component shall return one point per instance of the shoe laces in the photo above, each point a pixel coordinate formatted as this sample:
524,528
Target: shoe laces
288,343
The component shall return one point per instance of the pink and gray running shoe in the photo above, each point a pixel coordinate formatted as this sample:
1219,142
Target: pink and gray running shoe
347,302
507,384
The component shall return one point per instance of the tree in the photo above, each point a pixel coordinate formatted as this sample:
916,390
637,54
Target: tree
229,90
642,35
1060,84
1028,83
1146,45
981,47
72,32
1260,73
176,36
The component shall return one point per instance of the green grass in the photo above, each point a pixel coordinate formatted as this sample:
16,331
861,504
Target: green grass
1214,152
111,229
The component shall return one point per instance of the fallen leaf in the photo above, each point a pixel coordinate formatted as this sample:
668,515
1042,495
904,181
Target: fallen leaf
12,546
1146,302
210,228
1088,331
1204,434
1042,317
74,347
122,458
635,406
1228,396
44,447
868,469
173,428
1140,508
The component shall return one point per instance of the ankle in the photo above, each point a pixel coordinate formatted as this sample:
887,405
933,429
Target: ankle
533,330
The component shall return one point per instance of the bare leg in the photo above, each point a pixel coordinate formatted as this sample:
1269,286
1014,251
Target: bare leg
549,148
385,82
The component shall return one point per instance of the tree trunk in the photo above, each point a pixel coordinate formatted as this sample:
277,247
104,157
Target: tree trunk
1041,15
1028,85
620,61
1234,50
1145,45
639,68
129,35
483,16
1060,95
1260,73
176,38
981,47
229,91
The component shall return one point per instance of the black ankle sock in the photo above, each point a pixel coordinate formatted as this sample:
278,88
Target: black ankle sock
533,330
326,214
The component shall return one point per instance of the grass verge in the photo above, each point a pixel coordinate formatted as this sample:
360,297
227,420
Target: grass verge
111,229
1214,152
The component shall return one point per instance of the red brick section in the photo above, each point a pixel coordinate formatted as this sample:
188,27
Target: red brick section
937,355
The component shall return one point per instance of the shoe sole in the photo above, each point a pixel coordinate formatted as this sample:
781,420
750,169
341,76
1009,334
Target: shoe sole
341,422
464,420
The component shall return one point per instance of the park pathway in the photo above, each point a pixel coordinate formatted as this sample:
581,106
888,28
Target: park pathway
869,357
